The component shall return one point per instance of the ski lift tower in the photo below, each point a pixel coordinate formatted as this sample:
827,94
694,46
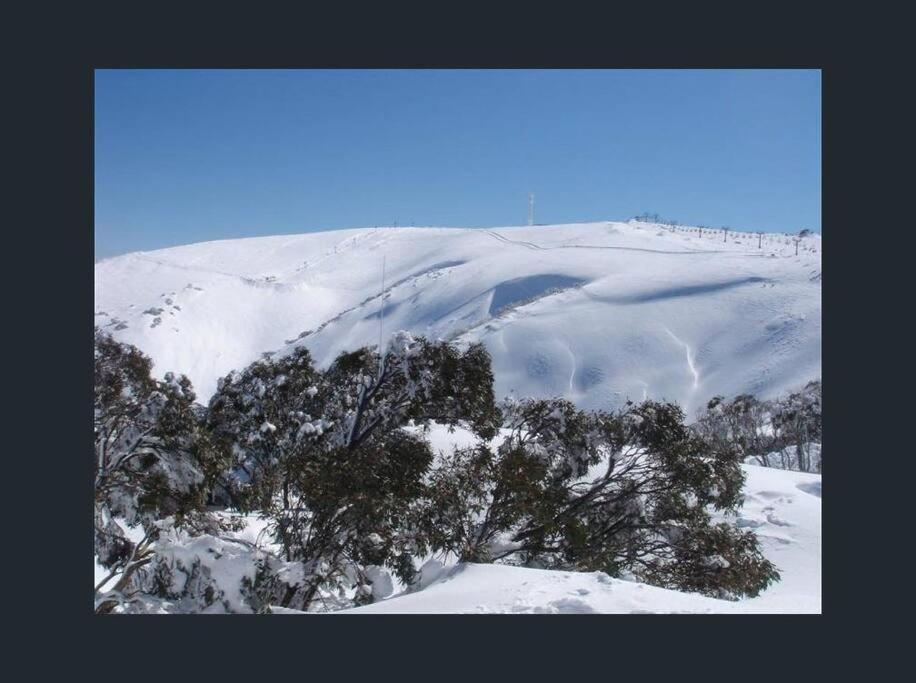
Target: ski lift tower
530,209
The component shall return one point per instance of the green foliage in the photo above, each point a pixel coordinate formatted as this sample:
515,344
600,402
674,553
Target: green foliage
630,492
154,463
327,457
350,509
338,463
152,457
717,560
474,496
258,417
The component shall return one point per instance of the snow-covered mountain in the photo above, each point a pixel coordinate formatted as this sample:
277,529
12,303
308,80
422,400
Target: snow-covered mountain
597,312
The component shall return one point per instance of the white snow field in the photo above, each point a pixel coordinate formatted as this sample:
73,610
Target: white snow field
596,312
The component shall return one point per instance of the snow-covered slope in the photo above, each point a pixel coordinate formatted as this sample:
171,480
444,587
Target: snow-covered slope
598,312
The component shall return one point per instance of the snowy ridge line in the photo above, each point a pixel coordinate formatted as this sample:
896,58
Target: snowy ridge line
532,245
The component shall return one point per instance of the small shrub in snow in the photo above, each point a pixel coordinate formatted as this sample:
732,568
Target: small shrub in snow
208,574
797,425
784,432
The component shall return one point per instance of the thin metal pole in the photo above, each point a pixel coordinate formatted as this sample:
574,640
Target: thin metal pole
381,313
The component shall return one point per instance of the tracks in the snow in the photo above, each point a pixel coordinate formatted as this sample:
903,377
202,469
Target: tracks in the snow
690,364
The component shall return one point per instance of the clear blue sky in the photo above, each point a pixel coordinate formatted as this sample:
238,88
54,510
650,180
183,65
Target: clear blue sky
188,156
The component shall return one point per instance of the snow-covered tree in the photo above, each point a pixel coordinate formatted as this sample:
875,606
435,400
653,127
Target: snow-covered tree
744,423
332,466
338,464
209,573
477,496
784,432
627,494
152,460
414,380
797,426
261,416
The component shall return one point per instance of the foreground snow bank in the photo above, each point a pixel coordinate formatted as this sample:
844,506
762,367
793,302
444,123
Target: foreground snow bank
783,508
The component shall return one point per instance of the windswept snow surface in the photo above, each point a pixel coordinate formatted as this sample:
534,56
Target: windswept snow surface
596,312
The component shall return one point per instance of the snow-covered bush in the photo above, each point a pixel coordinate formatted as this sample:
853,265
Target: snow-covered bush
743,423
783,433
207,574
797,426
329,462
261,416
153,460
350,497
628,493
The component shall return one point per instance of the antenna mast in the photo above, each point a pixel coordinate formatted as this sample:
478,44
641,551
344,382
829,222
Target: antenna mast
381,310
530,209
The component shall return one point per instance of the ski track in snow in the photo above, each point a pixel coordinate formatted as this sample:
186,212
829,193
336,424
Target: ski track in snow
690,364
